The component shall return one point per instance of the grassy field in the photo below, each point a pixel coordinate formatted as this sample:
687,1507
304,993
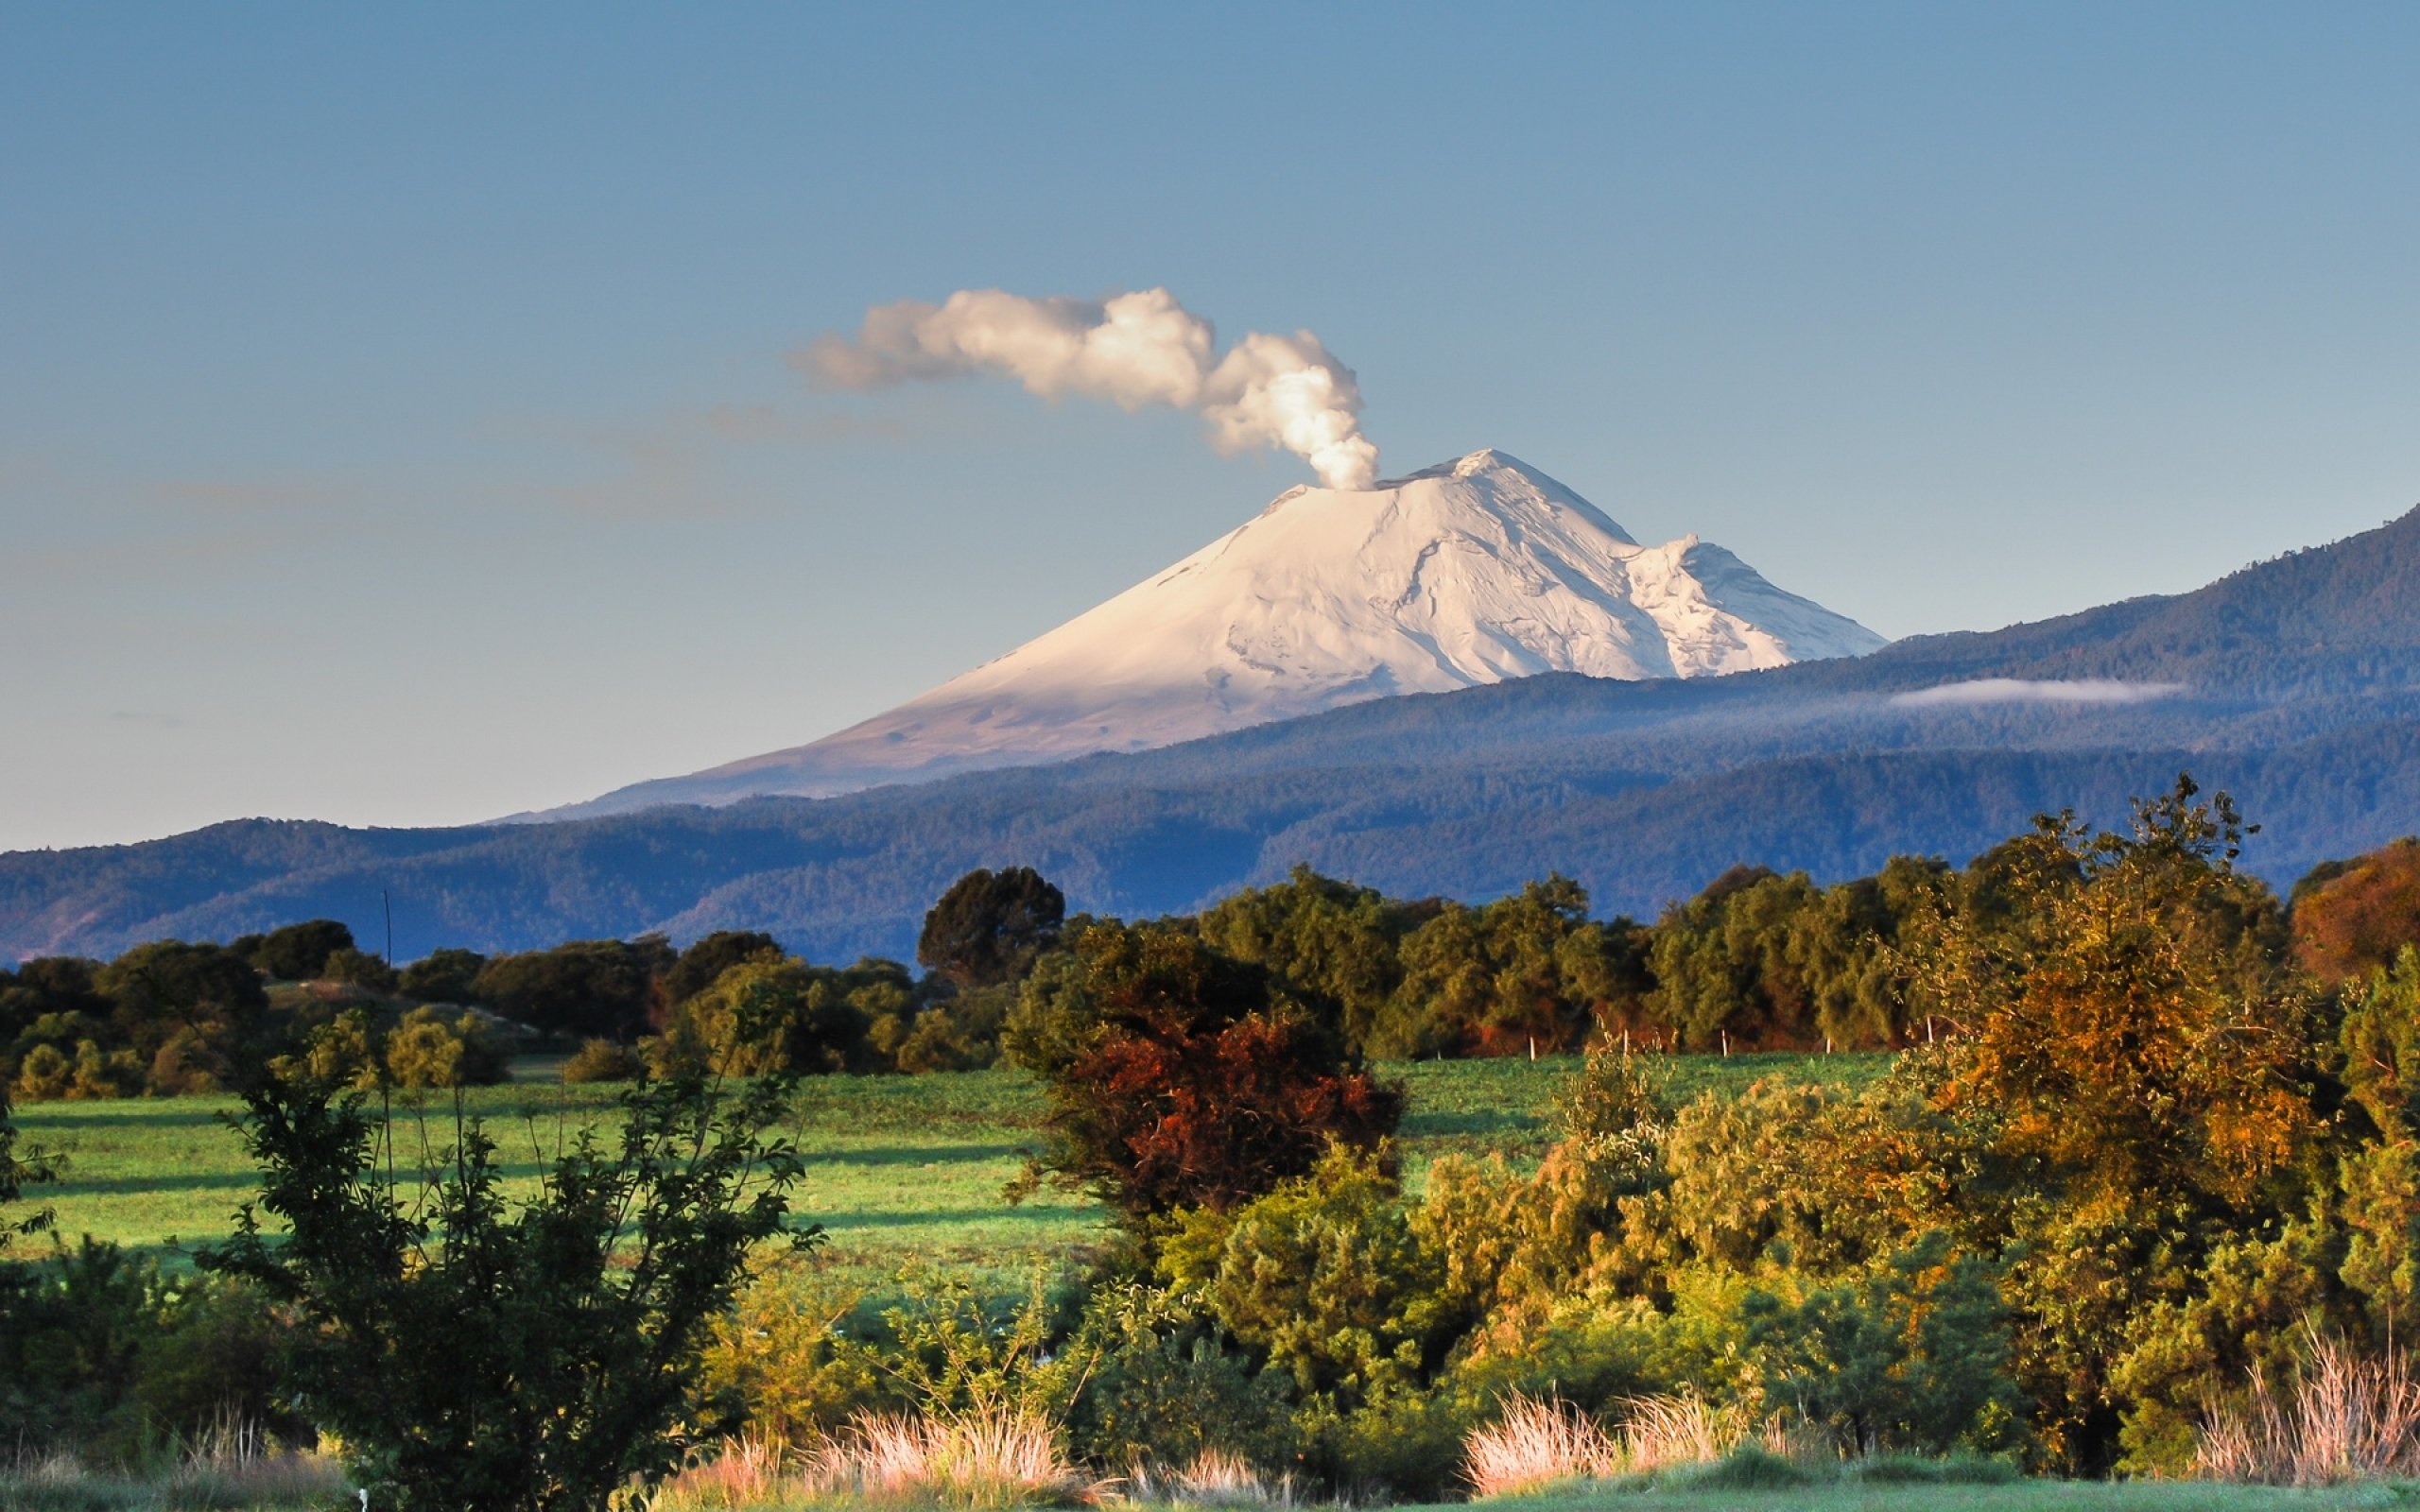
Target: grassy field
902,1170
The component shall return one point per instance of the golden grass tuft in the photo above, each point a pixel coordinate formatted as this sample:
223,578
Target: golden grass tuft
1215,1478
1537,1444
997,1457
2348,1418
744,1475
1534,1445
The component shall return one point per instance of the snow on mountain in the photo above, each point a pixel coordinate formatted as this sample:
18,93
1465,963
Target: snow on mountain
1475,571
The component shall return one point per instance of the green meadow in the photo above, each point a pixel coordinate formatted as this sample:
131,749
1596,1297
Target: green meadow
901,1171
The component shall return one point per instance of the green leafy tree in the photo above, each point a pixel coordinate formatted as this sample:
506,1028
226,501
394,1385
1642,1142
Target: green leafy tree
359,968
476,1357
990,925
448,976
712,955
1322,937
425,1050
2133,1058
167,987
20,1168
773,1014
601,988
1527,970
1324,1277
299,952
1914,1356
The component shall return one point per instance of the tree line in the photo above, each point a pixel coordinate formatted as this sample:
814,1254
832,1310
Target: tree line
1758,959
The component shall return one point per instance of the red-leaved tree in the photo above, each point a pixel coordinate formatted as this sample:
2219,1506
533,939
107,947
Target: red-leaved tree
1199,1086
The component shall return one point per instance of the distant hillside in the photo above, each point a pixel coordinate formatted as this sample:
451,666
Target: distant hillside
2295,684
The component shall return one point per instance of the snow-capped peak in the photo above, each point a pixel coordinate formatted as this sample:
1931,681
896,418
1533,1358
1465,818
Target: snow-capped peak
1474,571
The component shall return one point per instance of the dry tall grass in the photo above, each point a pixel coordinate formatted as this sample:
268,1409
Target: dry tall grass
1215,1478
745,1475
2349,1419
998,1457
232,1465
1537,1444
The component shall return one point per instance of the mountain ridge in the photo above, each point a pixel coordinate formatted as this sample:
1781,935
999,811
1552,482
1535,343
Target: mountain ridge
2298,689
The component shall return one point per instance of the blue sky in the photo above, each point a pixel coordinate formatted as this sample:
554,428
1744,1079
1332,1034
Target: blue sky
395,425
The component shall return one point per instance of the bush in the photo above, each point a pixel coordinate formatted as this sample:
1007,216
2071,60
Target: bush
1163,1385
784,1362
604,1060
475,1356
1914,1357
1748,1466
1322,1278
427,1050
102,1355
444,976
299,952
359,968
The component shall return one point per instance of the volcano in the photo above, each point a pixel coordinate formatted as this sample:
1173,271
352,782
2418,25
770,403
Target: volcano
1475,571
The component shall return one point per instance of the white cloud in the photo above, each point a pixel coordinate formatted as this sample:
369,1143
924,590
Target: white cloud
2024,690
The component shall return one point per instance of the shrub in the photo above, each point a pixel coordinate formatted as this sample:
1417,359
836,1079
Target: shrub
1748,1466
1324,1278
473,1356
782,1362
359,968
1163,1385
604,1060
427,1050
1914,1356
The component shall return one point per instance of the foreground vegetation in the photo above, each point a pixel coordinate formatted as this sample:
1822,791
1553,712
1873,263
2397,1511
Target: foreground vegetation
2138,1195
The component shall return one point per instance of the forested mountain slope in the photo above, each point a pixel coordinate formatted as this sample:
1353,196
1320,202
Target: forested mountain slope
2295,684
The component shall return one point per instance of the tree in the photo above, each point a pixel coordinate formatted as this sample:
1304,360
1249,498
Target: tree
1202,1087
2355,917
709,958
600,988
2130,1027
2131,1062
18,1171
205,998
776,1015
1325,937
299,952
1914,1356
475,1356
427,1050
990,925
444,976
359,968
1530,969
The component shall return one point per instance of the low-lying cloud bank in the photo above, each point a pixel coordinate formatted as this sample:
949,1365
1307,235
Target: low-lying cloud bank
2027,689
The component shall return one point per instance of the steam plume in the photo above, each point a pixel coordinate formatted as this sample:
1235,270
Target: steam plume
1133,350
